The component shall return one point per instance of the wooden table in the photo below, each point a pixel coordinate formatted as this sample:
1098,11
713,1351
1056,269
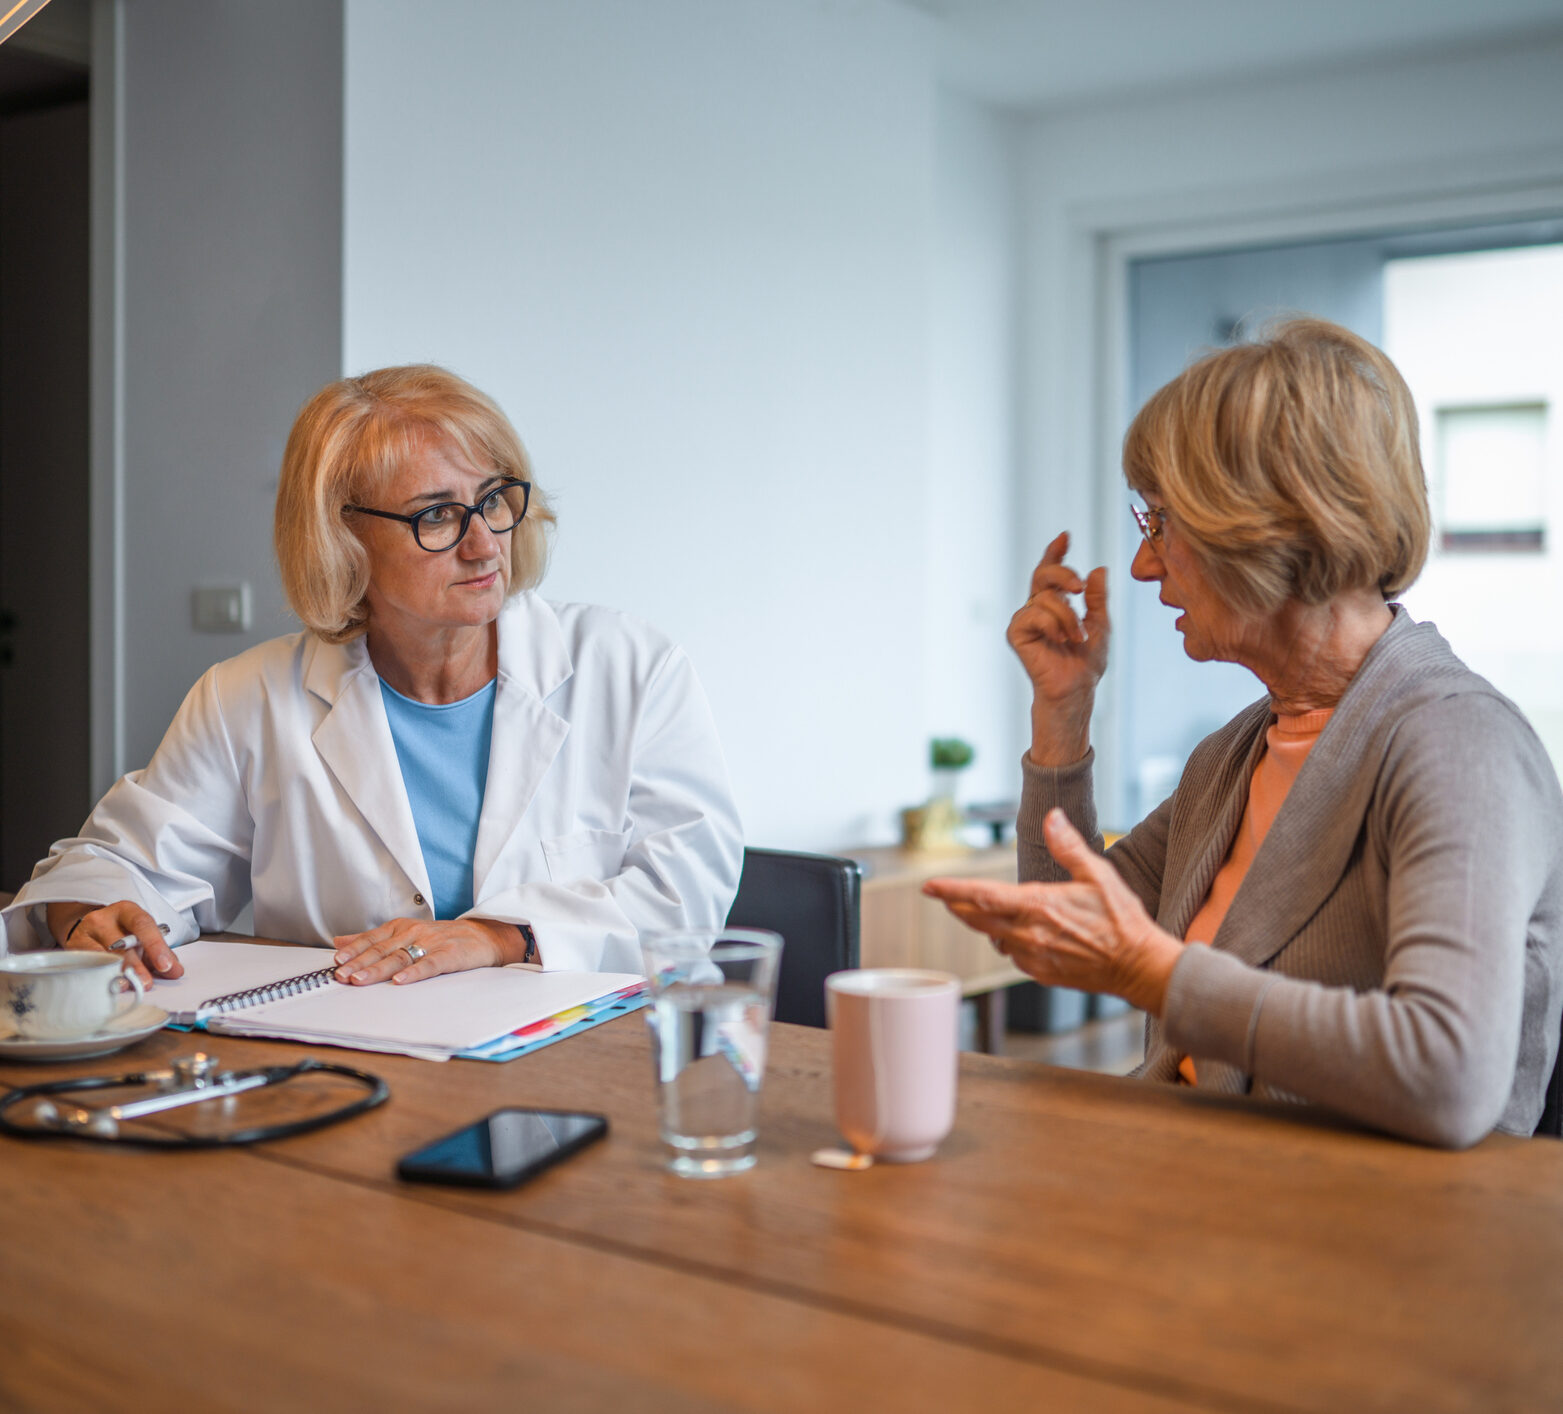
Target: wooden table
1081,1242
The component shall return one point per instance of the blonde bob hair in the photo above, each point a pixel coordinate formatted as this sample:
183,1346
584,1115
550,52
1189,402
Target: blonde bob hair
1291,466
346,444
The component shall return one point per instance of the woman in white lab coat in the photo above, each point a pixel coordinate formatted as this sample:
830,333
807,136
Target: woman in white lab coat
443,770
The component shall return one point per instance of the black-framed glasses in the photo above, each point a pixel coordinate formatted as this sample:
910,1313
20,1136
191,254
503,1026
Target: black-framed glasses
1153,524
443,525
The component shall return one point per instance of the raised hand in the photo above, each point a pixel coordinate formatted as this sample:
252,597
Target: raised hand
1063,654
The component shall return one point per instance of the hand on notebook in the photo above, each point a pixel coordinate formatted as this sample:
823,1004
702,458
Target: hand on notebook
410,949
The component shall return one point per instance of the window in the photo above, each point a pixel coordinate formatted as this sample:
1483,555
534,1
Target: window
1489,470
1471,318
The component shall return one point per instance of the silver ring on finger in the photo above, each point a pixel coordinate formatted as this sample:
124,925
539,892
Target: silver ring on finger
414,953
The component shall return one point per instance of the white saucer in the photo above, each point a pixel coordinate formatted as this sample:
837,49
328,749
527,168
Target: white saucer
124,1030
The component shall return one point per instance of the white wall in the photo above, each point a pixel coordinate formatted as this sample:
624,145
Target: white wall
231,289
748,286
1258,162
972,585
740,275
687,246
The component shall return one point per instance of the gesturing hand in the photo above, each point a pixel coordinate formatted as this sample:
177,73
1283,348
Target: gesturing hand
410,949
1063,655
1092,933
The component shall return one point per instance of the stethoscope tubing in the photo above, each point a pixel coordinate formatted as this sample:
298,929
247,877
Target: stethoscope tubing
378,1092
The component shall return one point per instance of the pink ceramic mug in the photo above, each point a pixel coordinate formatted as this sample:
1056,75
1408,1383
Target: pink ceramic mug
894,1031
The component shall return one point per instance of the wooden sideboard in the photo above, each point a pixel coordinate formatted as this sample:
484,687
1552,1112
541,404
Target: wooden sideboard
901,927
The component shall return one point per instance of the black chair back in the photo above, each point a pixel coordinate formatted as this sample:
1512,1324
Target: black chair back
812,901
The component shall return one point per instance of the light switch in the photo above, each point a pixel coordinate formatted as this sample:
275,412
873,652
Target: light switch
221,608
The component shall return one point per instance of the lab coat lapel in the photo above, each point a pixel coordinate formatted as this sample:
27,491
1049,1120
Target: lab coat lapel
534,662
354,740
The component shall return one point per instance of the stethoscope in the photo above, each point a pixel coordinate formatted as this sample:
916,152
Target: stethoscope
187,1080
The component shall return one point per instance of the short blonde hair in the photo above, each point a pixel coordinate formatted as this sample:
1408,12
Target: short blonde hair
1291,464
345,446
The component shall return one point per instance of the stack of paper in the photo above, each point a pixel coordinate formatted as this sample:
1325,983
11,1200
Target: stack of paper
480,1010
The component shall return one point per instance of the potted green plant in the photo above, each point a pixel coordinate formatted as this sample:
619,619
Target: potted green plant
948,756
936,826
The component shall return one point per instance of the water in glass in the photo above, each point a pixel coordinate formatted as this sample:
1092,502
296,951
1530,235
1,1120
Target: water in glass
709,1017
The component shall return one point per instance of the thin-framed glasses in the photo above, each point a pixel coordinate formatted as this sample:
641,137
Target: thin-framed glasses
1153,524
442,526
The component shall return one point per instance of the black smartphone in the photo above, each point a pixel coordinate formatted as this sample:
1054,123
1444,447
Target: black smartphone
504,1149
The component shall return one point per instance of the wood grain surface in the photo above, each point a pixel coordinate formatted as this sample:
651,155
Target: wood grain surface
1137,1241
1080,1241
211,1281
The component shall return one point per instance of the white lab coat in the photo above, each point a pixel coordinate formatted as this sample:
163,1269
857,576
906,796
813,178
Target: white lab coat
607,810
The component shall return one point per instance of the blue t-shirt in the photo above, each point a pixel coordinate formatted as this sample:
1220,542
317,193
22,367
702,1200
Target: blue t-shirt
443,750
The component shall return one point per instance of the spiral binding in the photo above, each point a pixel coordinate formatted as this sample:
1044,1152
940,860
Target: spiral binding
271,992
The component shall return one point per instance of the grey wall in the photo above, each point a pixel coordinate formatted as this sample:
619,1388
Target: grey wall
232,235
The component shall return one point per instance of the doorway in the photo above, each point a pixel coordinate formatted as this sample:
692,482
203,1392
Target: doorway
45,773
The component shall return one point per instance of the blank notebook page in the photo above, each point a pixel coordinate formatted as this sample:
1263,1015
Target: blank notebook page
450,1012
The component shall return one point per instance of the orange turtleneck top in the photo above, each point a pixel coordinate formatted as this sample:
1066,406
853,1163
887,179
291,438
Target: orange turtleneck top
1287,744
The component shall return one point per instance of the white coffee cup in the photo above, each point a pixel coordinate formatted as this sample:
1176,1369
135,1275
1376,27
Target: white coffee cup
894,1033
64,996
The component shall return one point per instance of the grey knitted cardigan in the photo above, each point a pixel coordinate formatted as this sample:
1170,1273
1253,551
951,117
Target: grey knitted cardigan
1395,952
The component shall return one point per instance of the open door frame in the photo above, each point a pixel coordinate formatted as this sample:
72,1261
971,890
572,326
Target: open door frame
106,628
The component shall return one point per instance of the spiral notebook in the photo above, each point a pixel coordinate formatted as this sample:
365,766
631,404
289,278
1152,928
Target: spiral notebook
253,989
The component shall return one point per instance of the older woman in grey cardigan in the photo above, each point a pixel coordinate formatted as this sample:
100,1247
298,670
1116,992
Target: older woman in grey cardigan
1355,895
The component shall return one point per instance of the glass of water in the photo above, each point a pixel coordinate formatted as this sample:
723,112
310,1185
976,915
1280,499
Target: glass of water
712,994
